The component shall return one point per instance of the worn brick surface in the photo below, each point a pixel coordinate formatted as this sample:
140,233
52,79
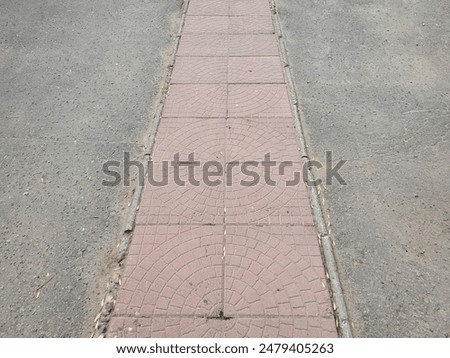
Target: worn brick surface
196,100
243,245
189,70
252,138
252,45
206,25
283,327
274,273
173,270
249,7
205,137
250,24
214,44
192,327
272,198
208,7
207,44
255,70
184,202
165,327
258,100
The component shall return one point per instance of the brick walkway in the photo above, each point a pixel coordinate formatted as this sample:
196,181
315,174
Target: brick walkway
225,260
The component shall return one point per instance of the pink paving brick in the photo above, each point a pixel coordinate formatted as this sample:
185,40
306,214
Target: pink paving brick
252,45
192,327
258,100
190,70
250,25
208,7
255,196
195,45
181,274
199,100
282,327
228,25
211,44
225,245
202,138
255,70
176,200
169,327
206,25
249,7
268,274
252,138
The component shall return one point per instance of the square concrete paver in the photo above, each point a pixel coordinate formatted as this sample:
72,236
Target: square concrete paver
196,100
196,45
253,138
255,70
191,327
252,45
206,25
258,100
208,7
173,270
249,7
270,271
228,25
252,196
193,70
250,25
176,200
282,327
165,327
202,137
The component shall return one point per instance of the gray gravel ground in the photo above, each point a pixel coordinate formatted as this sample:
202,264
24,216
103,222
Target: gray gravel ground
374,81
77,83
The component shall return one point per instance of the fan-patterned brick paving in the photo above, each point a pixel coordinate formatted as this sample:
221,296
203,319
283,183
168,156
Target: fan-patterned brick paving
235,253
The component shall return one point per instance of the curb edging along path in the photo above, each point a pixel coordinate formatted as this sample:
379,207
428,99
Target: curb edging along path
225,260
327,244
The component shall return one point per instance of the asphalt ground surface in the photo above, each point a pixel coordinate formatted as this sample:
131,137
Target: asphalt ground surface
373,80
78,82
